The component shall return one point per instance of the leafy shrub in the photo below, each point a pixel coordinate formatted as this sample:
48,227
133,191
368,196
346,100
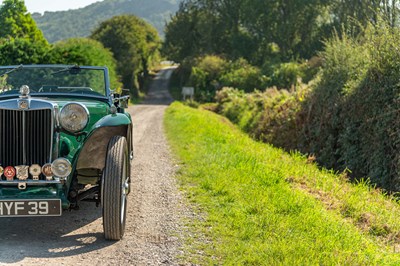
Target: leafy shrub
270,116
352,114
210,73
287,75
240,74
348,117
345,64
204,76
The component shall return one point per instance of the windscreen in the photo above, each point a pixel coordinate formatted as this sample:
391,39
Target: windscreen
53,80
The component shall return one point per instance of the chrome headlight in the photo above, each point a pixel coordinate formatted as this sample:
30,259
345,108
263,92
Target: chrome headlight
61,167
74,117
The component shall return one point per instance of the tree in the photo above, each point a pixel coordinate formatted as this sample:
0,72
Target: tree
133,43
16,22
84,51
350,13
247,29
22,51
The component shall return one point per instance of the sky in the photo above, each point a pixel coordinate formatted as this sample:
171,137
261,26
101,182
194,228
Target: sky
55,5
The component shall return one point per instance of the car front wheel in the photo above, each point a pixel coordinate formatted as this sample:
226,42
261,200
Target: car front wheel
115,187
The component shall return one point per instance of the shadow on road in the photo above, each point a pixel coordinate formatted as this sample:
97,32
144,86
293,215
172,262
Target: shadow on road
47,237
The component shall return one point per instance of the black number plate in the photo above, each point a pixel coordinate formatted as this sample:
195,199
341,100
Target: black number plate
21,208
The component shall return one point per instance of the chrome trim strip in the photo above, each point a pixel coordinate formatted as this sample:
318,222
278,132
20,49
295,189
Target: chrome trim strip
30,182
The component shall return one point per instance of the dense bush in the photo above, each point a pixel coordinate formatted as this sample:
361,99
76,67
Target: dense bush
270,116
348,117
345,64
240,74
210,73
287,75
204,76
353,121
241,108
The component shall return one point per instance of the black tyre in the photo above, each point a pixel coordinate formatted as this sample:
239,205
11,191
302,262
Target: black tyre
115,186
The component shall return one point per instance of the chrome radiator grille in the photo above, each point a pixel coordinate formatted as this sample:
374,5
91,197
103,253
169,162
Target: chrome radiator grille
25,137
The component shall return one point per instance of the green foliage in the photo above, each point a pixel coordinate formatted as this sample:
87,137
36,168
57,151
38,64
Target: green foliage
83,51
177,48
345,65
270,116
268,31
240,74
22,43
81,22
17,23
210,73
22,51
347,117
205,75
134,44
287,75
262,206
246,29
241,108
370,113
206,27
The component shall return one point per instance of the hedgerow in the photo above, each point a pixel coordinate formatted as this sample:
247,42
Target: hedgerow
348,118
208,74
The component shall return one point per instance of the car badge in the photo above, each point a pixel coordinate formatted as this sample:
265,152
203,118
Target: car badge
1,171
22,172
9,173
46,170
35,171
23,104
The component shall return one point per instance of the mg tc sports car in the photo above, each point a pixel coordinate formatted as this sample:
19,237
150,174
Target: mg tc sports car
64,137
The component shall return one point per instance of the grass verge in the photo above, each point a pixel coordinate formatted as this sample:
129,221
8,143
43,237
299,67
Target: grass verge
262,206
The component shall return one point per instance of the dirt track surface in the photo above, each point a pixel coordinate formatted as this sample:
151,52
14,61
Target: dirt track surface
152,235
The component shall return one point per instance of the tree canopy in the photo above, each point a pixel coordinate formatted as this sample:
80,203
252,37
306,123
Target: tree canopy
22,51
16,22
256,29
84,51
133,43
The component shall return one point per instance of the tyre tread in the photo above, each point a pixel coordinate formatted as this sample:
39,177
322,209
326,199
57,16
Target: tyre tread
113,230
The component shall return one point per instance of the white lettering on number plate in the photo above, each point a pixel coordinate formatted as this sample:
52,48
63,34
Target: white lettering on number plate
9,208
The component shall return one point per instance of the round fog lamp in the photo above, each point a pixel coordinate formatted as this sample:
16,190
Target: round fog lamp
61,167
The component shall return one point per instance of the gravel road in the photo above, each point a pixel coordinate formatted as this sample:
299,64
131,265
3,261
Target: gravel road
155,208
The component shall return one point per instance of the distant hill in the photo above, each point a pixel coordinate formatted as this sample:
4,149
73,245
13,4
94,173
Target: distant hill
80,22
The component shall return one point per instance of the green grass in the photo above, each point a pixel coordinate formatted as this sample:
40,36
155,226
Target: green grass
262,206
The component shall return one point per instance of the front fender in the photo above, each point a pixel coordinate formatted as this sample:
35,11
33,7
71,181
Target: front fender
91,159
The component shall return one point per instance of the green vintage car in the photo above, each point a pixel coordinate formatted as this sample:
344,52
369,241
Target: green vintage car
64,137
